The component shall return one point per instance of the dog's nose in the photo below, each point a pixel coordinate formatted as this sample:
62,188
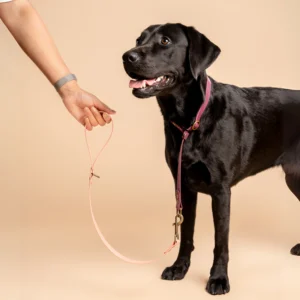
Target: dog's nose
131,57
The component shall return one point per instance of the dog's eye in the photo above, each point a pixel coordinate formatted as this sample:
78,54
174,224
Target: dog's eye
165,41
138,41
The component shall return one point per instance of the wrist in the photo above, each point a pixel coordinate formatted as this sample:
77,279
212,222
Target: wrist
68,88
63,80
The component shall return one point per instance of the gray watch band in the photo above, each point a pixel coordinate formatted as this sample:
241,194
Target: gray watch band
59,83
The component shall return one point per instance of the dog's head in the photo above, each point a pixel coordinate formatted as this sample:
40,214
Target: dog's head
166,55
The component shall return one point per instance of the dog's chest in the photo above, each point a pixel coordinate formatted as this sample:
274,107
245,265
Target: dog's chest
194,166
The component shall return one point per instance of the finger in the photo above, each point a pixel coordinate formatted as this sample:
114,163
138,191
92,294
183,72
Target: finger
90,116
103,107
106,118
98,116
88,125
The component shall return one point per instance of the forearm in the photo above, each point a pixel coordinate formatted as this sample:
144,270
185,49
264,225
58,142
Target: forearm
29,31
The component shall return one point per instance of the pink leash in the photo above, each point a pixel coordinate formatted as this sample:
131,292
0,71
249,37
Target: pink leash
102,237
179,217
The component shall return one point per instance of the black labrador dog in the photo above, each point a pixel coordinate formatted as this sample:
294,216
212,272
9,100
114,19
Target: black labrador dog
243,131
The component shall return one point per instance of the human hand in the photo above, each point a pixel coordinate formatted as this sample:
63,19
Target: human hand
85,107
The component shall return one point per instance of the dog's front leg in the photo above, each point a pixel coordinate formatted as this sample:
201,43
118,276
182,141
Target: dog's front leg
218,282
180,267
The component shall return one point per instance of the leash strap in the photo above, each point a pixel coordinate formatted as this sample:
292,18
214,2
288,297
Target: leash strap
185,134
101,235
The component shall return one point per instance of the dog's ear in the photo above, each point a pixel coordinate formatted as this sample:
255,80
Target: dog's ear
202,52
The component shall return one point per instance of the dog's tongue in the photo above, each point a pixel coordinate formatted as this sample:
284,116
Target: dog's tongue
137,84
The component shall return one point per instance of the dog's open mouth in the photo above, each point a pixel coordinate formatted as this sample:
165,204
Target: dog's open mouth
152,83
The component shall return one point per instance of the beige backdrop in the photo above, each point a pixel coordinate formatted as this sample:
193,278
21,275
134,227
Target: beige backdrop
49,248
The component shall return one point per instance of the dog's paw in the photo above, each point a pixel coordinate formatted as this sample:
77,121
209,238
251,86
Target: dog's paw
296,250
218,285
177,271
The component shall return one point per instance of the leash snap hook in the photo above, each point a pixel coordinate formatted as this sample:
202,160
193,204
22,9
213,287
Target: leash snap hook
178,221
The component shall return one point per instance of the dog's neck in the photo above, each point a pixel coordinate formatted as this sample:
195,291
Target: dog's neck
183,103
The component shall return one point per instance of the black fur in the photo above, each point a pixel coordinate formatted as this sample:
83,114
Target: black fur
242,132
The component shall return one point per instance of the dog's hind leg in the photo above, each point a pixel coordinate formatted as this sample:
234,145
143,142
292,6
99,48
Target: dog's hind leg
180,267
293,182
291,167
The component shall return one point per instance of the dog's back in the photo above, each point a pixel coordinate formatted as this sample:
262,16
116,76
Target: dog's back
268,120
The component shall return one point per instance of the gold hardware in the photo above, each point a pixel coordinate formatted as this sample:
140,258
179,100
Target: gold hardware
93,174
178,221
194,125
